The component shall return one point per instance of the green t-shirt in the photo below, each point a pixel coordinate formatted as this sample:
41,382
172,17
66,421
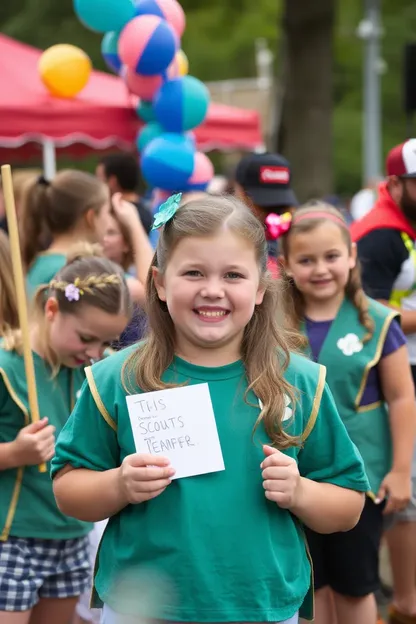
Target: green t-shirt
210,548
27,503
43,270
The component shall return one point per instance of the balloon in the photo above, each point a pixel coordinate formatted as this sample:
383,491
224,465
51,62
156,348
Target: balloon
146,86
181,104
64,70
109,50
145,111
183,64
202,174
168,162
149,132
169,10
148,45
104,15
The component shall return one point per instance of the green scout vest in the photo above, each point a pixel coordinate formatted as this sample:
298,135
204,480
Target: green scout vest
27,503
105,384
43,270
348,362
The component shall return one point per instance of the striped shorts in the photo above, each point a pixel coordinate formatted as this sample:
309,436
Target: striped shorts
32,568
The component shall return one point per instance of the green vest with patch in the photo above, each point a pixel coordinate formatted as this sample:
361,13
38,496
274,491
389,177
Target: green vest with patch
27,504
348,362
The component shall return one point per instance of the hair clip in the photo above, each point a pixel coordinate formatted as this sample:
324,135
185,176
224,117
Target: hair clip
74,290
166,211
276,225
43,181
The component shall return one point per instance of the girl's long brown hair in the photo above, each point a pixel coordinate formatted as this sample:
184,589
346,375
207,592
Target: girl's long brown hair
265,346
313,215
8,302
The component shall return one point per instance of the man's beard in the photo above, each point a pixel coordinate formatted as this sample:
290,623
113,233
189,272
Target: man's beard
408,206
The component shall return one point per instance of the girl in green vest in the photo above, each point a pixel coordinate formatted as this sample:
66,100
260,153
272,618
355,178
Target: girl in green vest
44,554
228,545
363,348
54,216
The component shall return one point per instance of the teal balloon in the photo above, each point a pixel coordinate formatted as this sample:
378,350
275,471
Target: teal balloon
151,131
110,53
145,112
104,15
181,104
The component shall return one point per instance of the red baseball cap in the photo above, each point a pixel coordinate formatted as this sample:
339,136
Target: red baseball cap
401,160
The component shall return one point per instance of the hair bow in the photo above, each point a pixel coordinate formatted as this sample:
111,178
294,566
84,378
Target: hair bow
166,211
276,225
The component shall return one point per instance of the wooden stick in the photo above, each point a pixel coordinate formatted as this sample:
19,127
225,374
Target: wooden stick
19,281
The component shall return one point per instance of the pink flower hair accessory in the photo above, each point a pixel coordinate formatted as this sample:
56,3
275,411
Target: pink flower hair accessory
277,225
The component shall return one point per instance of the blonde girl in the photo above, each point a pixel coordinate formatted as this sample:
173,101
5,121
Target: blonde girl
226,546
363,348
44,554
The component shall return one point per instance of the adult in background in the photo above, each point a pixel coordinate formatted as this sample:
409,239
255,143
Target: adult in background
263,181
385,239
121,173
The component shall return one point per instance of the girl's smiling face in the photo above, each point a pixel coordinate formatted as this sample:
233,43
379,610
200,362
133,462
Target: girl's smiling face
211,287
319,261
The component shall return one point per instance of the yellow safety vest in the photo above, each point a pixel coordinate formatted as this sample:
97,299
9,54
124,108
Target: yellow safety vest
397,296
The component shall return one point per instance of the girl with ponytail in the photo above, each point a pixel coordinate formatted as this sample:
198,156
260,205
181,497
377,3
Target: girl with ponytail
364,350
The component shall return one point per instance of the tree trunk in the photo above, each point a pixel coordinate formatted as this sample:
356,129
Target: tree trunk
305,133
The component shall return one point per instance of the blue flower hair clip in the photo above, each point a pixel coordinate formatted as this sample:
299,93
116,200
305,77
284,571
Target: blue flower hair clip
166,211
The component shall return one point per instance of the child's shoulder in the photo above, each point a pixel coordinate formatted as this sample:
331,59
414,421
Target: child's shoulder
380,311
111,367
301,371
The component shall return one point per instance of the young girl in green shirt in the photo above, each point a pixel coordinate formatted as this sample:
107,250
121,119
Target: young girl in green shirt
44,554
225,546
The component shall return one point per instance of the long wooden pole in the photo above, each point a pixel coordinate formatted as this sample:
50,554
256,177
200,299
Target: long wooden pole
19,281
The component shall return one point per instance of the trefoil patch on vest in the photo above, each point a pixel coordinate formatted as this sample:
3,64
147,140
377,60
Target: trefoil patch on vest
350,344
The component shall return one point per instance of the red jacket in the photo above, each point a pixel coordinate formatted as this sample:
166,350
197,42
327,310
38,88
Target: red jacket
385,214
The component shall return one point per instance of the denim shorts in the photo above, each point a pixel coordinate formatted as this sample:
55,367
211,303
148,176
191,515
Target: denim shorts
31,569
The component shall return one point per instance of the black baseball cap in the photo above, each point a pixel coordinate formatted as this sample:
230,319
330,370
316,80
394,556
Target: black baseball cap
265,178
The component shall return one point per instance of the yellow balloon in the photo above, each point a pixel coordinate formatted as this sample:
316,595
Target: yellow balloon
183,63
64,70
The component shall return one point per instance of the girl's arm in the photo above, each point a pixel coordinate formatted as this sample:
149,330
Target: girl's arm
92,495
398,391
323,507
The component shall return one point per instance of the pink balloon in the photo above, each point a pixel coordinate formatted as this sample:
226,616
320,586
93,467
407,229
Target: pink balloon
203,171
146,87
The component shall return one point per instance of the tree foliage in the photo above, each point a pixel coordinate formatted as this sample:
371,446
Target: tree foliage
219,41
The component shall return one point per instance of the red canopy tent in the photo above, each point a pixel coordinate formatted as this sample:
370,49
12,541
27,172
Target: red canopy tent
101,117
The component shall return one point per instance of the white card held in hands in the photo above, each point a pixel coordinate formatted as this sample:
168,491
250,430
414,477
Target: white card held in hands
178,423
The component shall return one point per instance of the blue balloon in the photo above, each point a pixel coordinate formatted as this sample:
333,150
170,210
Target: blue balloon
181,104
145,112
168,162
109,51
149,132
104,15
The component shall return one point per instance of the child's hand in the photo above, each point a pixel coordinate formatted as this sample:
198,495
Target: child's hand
397,487
281,478
144,477
125,211
35,444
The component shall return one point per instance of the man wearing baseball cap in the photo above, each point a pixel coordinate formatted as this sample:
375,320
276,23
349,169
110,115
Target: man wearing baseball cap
385,239
263,181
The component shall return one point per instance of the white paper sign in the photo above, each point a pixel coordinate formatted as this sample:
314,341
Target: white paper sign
178,423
